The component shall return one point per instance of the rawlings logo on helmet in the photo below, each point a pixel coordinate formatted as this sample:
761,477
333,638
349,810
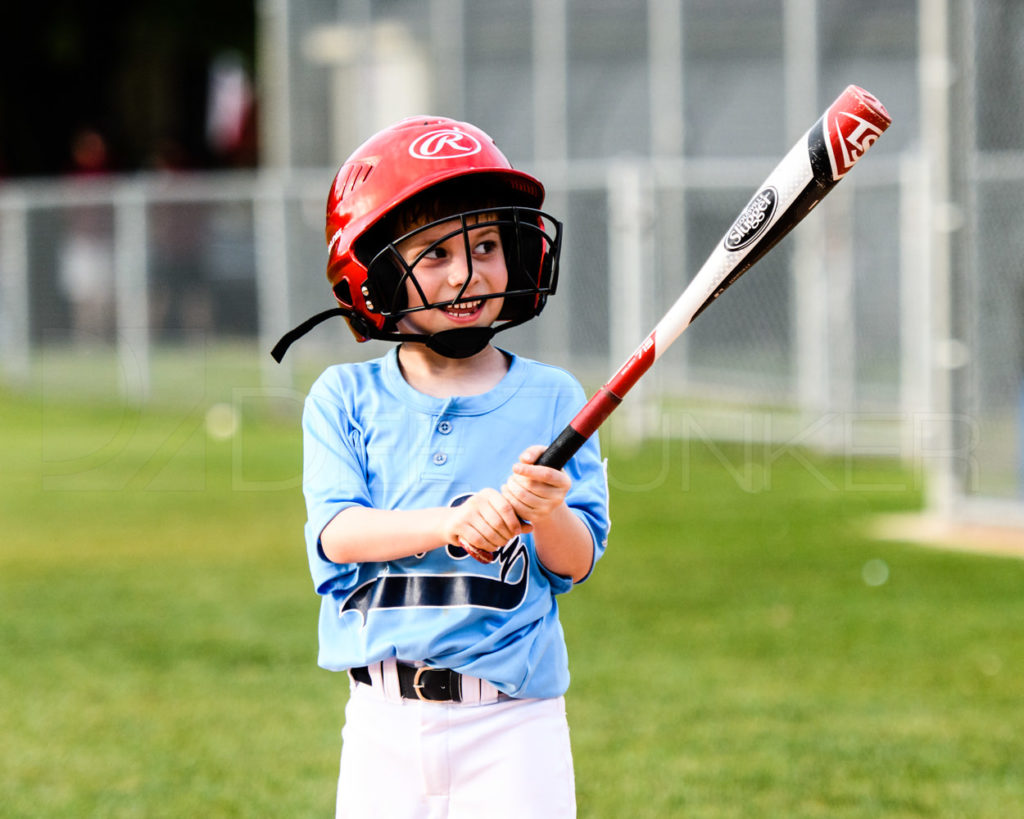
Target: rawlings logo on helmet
446,143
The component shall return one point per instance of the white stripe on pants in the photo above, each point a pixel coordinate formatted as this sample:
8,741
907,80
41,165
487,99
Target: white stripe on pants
421,760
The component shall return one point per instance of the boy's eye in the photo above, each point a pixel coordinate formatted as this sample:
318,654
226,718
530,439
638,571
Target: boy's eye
485,247
436,252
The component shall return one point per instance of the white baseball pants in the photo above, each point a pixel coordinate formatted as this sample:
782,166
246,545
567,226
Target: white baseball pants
405,759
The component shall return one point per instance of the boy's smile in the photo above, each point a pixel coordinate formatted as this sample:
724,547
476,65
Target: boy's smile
464,310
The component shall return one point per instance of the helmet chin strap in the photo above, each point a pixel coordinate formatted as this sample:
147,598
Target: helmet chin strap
460,342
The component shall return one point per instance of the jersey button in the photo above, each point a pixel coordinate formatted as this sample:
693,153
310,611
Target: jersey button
445,427
440,459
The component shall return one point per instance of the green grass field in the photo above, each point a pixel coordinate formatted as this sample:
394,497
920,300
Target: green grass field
743,649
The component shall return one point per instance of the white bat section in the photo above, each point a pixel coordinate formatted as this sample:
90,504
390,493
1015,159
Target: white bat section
789,179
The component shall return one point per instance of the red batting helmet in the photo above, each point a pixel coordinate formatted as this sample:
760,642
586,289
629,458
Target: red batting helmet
459,166
397,164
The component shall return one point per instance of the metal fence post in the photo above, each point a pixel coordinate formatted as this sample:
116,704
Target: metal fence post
935,80
915,296
272,290
629,255
131,290
15,307
808,276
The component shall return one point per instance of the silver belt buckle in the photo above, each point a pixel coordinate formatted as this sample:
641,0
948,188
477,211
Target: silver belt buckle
417,685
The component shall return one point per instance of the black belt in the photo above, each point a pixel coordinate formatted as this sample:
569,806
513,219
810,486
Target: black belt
420,682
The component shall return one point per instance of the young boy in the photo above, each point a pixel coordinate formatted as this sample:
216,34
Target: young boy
437,544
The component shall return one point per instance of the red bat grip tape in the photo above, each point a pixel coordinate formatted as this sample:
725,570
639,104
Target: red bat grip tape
598,408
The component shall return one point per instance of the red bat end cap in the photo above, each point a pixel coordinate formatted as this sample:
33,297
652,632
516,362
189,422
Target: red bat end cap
852,124
871,104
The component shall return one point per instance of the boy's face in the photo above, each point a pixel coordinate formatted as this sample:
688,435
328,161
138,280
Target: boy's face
443,271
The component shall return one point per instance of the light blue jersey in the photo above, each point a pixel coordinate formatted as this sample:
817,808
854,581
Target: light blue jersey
372,440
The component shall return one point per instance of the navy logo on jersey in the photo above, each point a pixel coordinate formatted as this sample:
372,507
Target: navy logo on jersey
396,591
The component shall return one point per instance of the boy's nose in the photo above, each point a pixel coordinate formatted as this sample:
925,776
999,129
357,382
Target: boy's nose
458,270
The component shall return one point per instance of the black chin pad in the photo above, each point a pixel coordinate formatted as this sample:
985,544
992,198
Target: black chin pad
462,342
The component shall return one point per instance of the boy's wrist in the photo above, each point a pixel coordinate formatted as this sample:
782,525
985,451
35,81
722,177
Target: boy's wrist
564,543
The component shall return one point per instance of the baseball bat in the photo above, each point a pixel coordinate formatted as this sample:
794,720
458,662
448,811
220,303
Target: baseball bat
813,166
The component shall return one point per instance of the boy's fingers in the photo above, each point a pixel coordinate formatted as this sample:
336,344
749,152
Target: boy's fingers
538,479
478,554
545,472
499,514
513,522
489,521
508,514
482,536
527,503
513,491
531,453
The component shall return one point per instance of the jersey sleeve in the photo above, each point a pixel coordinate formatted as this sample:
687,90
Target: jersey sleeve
590,499
588,496
333,479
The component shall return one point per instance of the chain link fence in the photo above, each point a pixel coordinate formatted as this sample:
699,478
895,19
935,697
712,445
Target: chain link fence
889,322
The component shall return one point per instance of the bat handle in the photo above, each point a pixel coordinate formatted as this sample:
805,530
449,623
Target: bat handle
562,448
556,456
601,404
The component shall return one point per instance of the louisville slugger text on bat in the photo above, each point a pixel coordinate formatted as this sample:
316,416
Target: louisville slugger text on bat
813,166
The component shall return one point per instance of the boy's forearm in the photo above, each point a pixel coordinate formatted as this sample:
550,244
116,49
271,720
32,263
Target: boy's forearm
564,544
360,534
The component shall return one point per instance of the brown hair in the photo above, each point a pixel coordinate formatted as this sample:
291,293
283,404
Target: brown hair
447,199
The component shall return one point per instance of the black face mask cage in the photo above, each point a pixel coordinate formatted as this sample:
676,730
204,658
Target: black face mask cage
531,241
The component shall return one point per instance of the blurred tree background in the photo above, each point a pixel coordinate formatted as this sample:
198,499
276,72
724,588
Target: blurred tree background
138,73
